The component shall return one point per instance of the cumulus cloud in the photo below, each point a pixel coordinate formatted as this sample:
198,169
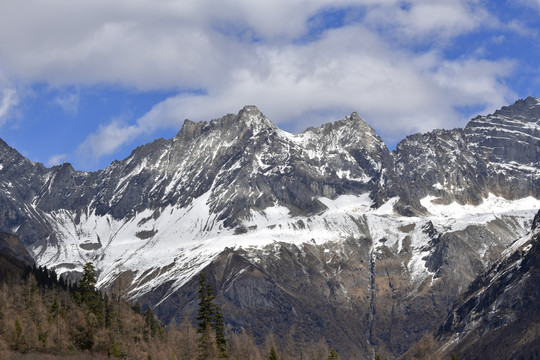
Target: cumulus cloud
396,91
179,44
428,20
259,52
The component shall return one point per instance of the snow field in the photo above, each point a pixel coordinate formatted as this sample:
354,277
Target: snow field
182,241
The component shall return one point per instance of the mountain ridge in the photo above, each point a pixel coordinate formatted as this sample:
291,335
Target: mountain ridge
326,219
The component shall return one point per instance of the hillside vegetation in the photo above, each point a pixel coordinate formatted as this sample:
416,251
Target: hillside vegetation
43,317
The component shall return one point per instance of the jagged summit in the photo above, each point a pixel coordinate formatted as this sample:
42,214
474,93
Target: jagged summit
251,113
525,109
269,166
249,119
494,154
352,131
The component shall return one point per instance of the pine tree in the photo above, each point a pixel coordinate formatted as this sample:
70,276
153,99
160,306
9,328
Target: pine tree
219,326
55,308
205,315
137,308
206,349
151,322
333,355
210,318
273,354
87,285
18,343
89,294
115,351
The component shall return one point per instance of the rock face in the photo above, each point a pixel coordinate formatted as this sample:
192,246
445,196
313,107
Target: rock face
10,246
496,154
498,316
14,259
509,142
446,166
320,234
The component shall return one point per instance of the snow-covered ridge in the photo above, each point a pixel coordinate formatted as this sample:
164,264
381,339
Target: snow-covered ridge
177,243
240,182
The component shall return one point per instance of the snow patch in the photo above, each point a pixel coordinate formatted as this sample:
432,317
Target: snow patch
454,217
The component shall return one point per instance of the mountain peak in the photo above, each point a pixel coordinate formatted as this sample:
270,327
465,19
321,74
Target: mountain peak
352,131
250,109
323,217
190,129
252,117
353,117
528,109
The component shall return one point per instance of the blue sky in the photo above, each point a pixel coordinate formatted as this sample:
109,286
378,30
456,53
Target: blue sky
86,82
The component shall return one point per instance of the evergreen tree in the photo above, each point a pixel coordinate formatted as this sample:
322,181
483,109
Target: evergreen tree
205,315
87,285
151,322
273,354
55,308
89,294
116,352
333,355
137,308
210,318
18,343
206,349
219,326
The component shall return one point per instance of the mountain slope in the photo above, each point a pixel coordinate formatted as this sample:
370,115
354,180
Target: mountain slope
322,233
378,283
498,316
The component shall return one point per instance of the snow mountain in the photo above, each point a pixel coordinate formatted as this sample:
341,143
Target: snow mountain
321,234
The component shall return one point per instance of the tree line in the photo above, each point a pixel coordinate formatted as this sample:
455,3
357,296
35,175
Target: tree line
43,316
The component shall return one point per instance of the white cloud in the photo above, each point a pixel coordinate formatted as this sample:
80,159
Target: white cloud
428,19
57,159
181,44
251,52
520,28
350,69
69,102
106,140
535,4
470,81
9,100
